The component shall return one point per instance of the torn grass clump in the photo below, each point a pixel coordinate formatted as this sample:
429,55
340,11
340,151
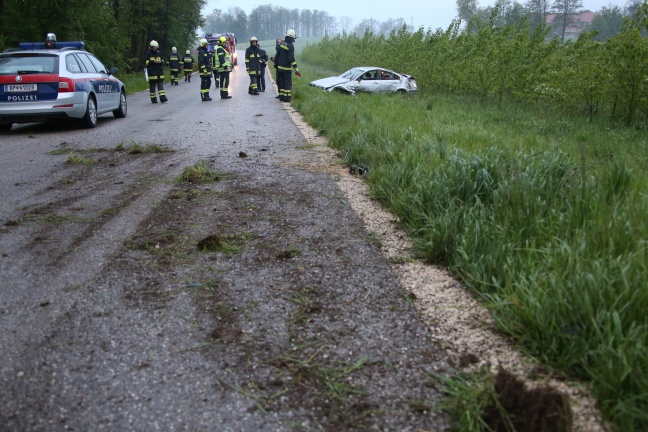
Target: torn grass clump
200,172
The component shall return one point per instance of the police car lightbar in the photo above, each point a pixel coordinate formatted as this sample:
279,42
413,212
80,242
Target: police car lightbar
48,45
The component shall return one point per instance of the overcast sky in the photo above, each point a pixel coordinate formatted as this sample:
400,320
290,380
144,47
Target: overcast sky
426,13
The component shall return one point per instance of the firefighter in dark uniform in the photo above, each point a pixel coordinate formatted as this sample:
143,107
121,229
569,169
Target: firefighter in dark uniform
154,66
253,66
187,64
285,63
224,66
264,64
204,68
174,65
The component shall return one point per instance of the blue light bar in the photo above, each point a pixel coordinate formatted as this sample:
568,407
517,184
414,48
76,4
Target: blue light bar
41,45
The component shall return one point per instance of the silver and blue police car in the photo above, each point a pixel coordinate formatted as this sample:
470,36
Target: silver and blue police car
43,81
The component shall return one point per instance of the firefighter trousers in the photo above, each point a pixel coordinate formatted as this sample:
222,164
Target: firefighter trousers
284,83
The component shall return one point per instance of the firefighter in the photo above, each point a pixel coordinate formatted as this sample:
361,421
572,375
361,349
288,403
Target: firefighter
253,66
188,63
204,68
175,65
155,69
285,63
224,66
264,64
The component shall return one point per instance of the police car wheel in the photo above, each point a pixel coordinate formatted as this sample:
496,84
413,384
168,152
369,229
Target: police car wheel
90,118
123,109
5,127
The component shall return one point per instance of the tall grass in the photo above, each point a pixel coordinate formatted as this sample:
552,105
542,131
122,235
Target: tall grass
543,215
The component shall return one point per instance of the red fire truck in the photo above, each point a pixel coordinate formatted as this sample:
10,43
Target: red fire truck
230,45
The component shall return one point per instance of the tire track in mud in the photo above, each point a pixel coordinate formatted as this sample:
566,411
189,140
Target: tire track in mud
291,310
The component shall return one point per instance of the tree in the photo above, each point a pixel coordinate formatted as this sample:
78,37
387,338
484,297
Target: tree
366,25
466,9
538,10
345,24
565,10
607,23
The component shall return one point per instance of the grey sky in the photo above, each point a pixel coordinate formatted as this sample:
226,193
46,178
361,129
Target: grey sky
427,13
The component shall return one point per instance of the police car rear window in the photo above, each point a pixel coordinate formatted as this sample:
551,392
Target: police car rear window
87,63
28,63
72,64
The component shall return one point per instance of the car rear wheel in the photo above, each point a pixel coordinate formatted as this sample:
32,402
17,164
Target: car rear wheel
123,109
90,118
5,127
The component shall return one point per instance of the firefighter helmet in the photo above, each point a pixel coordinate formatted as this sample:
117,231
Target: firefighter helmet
174,49
203,42
187,52
154,44
291,33
222,40
254,39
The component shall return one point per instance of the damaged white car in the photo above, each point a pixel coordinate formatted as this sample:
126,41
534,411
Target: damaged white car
368,79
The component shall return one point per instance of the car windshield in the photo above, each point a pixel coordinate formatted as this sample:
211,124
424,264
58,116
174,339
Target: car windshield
352,74
22,64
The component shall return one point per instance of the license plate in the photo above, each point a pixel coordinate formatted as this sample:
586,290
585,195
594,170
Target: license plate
20,88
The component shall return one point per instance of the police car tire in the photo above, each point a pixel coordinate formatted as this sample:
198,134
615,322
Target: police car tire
90,118
122,110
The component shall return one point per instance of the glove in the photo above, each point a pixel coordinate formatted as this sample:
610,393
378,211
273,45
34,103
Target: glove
297,72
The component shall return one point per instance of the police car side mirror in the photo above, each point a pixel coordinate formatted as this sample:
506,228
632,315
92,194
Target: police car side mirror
113,70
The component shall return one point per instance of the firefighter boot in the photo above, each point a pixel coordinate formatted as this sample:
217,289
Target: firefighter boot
206,97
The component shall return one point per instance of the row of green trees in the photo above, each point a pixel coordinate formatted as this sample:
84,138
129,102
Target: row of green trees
607,21
118,31
514,63
270,22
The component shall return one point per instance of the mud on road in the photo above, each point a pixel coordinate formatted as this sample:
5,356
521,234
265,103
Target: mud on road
258,301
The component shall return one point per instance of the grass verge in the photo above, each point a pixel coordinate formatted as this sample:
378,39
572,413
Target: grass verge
541,214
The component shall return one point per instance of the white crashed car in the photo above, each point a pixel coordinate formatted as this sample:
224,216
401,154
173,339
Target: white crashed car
368,79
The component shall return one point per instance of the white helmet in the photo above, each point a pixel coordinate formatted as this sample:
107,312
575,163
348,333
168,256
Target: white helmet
203,42
291,33
254,39
154,44
187,52
174,49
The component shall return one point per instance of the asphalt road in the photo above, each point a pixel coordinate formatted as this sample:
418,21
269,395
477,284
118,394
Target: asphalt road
111,319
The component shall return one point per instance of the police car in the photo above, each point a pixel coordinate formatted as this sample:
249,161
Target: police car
43,81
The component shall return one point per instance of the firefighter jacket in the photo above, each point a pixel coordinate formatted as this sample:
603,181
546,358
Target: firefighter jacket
253,60
285,58
264,59
188,62
222,59
204,61
174,62
155,69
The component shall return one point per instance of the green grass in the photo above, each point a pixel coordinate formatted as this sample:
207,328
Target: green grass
542,214
200,172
